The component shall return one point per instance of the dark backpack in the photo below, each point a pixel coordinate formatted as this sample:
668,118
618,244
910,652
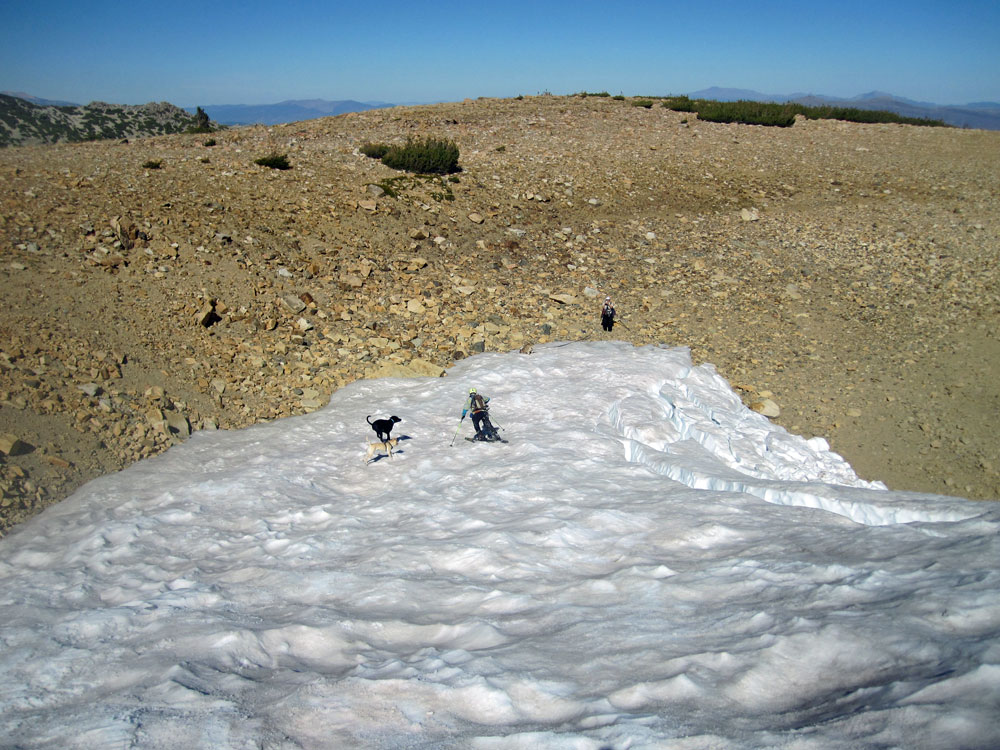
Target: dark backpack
477,402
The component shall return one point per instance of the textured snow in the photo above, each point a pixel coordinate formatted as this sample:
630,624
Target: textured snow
647,564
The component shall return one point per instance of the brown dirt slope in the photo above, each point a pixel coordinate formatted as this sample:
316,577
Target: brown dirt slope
846,272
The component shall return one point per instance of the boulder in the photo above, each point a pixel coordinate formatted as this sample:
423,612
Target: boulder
177,423
207,316
293,302
563,299
91,389
767,407
11,445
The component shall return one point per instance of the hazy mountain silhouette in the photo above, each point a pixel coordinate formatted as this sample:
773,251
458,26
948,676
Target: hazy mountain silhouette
39,101
293,110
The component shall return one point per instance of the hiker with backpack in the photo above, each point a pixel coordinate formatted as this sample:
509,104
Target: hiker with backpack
607,315
477,406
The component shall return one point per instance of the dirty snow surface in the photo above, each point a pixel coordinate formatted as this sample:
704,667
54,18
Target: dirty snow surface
646,564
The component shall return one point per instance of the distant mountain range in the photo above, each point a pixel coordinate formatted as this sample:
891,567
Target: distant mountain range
38,101
293,110
30,119
983,115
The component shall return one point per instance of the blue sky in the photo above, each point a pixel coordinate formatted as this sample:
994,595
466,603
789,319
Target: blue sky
222,52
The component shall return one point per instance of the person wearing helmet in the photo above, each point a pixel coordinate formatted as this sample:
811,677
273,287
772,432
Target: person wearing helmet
607,315
477,406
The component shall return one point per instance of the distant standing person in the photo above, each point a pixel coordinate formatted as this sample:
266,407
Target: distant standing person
607,315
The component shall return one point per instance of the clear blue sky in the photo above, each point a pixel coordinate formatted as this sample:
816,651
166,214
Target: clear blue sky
223,52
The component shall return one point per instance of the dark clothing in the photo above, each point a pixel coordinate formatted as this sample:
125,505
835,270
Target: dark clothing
480,417
607,316
484,428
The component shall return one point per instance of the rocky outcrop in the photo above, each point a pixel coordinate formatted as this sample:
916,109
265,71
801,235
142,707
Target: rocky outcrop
23,122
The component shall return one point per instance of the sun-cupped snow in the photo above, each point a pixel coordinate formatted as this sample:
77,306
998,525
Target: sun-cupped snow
647,563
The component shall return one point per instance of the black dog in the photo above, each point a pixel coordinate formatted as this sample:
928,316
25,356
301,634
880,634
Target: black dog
383,427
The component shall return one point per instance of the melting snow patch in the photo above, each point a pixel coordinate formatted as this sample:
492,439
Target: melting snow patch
628,571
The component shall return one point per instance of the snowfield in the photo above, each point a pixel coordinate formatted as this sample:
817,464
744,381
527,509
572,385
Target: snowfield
647,564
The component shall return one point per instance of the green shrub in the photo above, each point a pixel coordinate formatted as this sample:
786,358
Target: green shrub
644,103
424,156
210,142
853,114
201,122
619,97
679,104
375,150
274,161
152,164
783,115
748,113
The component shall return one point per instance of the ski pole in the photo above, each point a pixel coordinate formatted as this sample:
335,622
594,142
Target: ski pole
456,431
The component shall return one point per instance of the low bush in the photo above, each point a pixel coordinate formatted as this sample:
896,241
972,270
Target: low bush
438,185
783,115
375,150
424,156
274,161
853,114
152,164
644,103
201,123
679,104
748,113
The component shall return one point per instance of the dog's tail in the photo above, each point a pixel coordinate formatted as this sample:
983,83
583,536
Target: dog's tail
369,418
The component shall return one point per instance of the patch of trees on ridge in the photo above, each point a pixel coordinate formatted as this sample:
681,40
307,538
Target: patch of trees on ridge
783,114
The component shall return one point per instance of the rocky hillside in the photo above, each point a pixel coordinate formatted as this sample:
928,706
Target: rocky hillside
22,122
843,277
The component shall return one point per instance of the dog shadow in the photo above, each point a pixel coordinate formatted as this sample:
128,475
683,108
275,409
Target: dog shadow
382,457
